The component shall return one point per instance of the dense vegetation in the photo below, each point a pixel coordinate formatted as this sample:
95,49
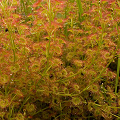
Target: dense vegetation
59,59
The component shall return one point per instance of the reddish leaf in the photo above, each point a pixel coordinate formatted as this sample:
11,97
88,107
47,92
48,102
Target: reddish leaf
37,3
109,1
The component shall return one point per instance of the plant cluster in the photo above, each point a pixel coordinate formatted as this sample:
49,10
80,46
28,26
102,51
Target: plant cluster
58,59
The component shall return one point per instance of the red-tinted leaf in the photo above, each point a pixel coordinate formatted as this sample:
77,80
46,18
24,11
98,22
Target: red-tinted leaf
37,3
109,1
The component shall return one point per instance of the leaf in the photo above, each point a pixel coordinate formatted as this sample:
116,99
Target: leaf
14,68
76,100
15,16
23,27
118,3
80,8
37,3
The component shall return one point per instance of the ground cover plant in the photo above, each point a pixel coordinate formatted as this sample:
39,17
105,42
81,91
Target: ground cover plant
59,59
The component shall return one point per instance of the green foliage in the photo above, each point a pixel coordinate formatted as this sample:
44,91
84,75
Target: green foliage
58,59
14,68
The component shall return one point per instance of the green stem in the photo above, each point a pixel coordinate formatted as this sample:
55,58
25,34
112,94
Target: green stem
118,64
117,77
13,46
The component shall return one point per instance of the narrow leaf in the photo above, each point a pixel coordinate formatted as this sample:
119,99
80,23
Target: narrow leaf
80,8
